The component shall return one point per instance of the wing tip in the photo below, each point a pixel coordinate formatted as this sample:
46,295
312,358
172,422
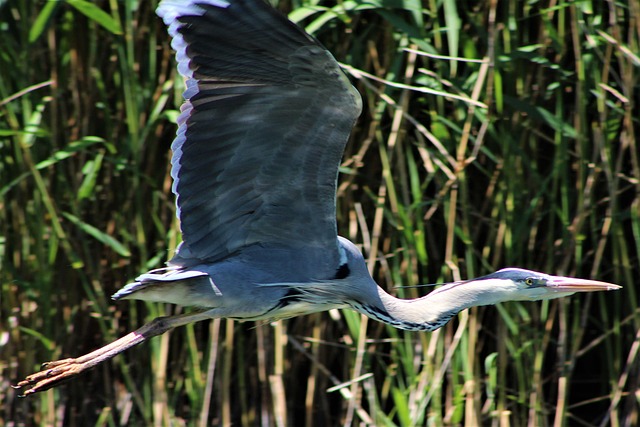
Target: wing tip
170,10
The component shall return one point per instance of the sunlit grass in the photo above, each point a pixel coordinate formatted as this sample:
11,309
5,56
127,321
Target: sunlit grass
534,163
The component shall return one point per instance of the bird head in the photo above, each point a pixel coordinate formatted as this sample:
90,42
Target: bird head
516,284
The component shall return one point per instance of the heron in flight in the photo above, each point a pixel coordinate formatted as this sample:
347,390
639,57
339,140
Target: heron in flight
266,117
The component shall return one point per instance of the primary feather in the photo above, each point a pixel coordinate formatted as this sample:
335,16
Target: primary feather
267,115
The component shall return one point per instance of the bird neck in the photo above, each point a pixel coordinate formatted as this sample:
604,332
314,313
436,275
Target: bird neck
428,313
422,314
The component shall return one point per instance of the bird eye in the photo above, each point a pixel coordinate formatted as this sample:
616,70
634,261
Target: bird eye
528,281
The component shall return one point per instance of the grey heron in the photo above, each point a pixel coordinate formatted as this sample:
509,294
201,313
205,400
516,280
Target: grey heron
266,117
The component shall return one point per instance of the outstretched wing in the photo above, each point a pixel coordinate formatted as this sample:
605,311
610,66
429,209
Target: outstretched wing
267,115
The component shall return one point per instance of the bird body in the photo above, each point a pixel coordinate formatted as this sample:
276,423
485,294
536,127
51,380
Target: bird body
229,289
260,137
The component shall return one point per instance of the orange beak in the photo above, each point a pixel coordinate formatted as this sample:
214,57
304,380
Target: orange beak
571,284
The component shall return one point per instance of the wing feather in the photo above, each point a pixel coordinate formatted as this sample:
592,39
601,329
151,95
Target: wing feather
261,134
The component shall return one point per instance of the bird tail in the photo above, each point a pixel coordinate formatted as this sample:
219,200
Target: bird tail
182,287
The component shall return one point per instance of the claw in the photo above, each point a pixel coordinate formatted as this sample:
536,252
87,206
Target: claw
52,374
58,371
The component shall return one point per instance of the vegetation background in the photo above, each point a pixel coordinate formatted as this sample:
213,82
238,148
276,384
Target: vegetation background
531,160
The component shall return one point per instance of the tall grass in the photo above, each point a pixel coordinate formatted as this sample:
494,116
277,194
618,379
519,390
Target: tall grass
533,163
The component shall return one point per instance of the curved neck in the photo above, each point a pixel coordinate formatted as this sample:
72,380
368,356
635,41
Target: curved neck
427,313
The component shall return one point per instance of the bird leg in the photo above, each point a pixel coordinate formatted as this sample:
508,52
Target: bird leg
56,372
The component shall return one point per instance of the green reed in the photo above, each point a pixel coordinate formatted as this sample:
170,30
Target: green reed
526,156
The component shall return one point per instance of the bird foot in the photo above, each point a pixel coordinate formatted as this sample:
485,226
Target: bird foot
57,372
51,375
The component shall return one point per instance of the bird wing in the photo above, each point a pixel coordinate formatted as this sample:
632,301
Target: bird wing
268,112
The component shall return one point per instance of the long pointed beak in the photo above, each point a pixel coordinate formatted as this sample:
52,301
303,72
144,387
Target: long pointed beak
571,284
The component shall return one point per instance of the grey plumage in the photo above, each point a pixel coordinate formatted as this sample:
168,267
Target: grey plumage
267,115
238,175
